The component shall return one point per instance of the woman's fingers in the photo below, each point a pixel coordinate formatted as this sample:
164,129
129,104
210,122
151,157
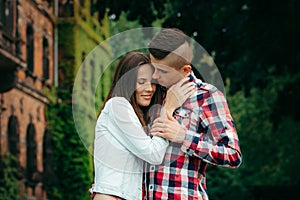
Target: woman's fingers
168,128
159,119
181,82
187,87
180,90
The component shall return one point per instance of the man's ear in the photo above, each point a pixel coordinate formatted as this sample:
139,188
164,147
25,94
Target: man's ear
186,69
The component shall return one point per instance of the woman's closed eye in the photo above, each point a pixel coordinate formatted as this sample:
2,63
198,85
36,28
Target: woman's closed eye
141,82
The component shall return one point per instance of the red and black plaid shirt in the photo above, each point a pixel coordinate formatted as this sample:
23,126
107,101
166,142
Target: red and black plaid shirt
210,138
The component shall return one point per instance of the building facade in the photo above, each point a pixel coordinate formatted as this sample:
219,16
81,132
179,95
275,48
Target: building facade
43,44
26,74
81,58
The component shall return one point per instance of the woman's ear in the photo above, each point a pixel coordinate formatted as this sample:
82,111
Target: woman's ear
186,69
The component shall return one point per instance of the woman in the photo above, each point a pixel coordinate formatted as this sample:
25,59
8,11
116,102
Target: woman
121,141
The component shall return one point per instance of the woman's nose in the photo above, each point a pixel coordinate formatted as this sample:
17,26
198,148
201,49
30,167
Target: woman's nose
149,87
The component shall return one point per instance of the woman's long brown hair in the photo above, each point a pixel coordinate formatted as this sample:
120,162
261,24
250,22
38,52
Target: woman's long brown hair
124,84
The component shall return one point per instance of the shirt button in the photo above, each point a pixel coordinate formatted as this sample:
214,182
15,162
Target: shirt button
151,187
152,168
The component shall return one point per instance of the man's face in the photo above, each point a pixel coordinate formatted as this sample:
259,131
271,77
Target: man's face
165,74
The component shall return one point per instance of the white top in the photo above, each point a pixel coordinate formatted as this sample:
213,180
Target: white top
121,146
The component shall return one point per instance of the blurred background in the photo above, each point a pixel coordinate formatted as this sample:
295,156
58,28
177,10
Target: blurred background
255,45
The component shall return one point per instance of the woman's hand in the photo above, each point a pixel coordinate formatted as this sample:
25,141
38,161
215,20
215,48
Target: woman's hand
177,94
168,128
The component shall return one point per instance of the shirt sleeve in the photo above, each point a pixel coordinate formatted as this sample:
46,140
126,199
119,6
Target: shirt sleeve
132,135
214,138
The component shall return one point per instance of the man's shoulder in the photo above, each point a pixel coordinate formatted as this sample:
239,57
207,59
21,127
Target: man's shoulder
204,88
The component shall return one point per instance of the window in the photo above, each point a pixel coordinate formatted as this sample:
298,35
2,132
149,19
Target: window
92,64
7,15
45,59
13,135
83,70
31,162
81,2
103,95
48,175
30,48
2,12
66,8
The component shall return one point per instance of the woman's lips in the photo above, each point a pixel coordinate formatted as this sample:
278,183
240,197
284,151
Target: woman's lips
147,97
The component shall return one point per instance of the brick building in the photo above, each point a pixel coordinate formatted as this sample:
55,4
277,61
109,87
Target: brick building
26,73
42,46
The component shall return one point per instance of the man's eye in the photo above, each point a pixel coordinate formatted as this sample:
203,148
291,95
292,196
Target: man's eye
162,71
141,82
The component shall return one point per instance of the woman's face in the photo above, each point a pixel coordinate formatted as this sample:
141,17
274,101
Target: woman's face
144,88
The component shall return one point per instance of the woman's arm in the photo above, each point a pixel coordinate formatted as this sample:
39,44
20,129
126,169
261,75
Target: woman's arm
128,130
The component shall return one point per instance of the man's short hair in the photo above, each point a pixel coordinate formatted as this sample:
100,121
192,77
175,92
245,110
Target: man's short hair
165,42
172,42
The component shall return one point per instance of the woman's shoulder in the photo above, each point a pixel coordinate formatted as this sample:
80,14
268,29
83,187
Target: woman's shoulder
118,100
116,104
120,108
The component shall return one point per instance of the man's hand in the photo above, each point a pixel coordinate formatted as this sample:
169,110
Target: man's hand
168,128
177,94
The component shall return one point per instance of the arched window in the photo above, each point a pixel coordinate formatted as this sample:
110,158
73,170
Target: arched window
13,135
45,59
92,64
31,162
30,48
103,95
48,174
66,8
84,73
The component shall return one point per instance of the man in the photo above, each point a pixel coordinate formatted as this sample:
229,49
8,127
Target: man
210,136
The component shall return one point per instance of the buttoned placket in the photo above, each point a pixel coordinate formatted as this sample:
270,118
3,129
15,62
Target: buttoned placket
151,181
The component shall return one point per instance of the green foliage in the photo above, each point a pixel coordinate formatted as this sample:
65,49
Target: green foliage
9,178
71,163
268,146
248,37
254,46
77,38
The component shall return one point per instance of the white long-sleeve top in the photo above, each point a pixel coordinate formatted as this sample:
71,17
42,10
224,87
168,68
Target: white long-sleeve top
120,148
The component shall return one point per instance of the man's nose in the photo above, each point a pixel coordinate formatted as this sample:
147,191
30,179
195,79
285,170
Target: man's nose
155,75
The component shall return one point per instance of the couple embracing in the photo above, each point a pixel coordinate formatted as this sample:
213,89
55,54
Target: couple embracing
161,126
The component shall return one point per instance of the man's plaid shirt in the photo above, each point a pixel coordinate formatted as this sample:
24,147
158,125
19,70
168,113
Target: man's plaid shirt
210,138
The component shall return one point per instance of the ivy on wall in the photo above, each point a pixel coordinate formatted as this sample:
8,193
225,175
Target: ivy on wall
9,177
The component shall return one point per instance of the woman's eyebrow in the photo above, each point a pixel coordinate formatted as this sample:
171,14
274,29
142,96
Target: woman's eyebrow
143,79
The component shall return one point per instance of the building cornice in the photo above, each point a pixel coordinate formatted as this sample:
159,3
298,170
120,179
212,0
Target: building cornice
31,91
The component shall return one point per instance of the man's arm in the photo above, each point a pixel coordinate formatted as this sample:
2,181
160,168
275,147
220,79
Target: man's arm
214,138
